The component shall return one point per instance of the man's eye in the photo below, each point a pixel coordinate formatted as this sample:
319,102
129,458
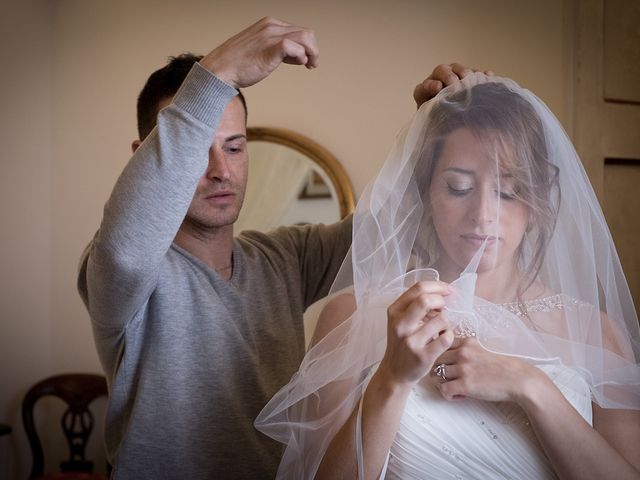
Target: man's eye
235,149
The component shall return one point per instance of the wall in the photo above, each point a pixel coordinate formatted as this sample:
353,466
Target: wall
25,212
69,117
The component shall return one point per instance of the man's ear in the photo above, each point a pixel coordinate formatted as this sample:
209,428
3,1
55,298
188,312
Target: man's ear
134,145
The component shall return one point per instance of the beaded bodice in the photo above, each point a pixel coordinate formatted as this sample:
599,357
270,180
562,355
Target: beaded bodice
540,305
548,304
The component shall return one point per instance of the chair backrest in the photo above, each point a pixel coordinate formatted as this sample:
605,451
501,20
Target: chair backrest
77,390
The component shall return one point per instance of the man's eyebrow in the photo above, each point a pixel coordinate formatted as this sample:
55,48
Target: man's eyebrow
235,137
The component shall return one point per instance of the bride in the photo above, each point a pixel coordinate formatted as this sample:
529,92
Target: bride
482,326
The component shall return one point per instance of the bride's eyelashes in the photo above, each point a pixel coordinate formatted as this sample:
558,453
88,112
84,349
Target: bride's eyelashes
461,191
458,191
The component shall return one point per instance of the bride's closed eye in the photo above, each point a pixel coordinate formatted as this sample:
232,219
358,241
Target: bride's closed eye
462,190
509,189
509,194
459,189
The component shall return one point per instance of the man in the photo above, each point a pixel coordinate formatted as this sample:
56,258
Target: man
196,329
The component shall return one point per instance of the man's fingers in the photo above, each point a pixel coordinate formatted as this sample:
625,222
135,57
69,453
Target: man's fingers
272,21
301,48
292,38
460,70
426,90
254,53
445,74
292,52
442,76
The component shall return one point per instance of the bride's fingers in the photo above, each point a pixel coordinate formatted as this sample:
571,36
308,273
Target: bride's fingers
452,355
424,305
421,288
413,318
428,332
452,389
461,349
429,352
456,386
405,322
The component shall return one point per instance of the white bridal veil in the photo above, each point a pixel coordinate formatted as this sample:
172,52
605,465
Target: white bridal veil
565,302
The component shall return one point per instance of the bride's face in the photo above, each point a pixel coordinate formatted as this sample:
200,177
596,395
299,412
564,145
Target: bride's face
473,201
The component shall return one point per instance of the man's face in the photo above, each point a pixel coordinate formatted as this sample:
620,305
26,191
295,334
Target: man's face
220,192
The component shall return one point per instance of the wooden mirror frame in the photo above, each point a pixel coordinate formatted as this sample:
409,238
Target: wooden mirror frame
317,153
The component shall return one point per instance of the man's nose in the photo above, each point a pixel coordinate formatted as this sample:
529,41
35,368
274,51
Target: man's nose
218,168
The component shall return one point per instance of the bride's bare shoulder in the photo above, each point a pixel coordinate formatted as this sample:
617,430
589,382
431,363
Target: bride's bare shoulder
338,309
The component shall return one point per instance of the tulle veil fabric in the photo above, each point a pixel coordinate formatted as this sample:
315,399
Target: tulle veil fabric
567,248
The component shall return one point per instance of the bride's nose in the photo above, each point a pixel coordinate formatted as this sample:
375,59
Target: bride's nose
483,207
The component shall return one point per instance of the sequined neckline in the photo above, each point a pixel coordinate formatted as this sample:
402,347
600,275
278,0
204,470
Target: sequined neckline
547,304
522,309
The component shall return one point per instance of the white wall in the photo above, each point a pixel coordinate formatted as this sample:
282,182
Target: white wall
68,117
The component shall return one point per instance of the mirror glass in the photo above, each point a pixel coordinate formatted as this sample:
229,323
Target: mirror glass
292,180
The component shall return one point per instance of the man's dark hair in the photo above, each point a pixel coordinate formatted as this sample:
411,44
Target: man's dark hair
164,83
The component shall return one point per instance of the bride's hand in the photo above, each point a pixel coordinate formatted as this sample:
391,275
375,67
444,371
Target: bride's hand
472,371
416,333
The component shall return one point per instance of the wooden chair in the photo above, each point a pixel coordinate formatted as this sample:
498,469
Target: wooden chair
77,390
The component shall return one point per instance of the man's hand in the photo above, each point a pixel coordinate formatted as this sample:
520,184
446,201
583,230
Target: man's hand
251,55
442,76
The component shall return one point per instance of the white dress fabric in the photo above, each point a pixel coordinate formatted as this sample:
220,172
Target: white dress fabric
472,439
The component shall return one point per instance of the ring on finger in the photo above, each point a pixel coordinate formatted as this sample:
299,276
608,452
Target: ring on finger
441,372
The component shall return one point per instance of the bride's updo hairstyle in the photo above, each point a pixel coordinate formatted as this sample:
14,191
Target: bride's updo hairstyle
510,131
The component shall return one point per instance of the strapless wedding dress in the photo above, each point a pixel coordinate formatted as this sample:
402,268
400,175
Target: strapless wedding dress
471,439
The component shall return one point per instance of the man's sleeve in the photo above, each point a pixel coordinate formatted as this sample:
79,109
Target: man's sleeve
321,249
119,268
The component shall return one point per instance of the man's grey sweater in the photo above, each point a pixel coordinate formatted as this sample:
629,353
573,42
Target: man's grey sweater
191,358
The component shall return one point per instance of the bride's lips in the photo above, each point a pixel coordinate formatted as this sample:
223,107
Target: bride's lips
477,239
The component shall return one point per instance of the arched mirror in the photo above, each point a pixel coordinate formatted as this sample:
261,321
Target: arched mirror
292,180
